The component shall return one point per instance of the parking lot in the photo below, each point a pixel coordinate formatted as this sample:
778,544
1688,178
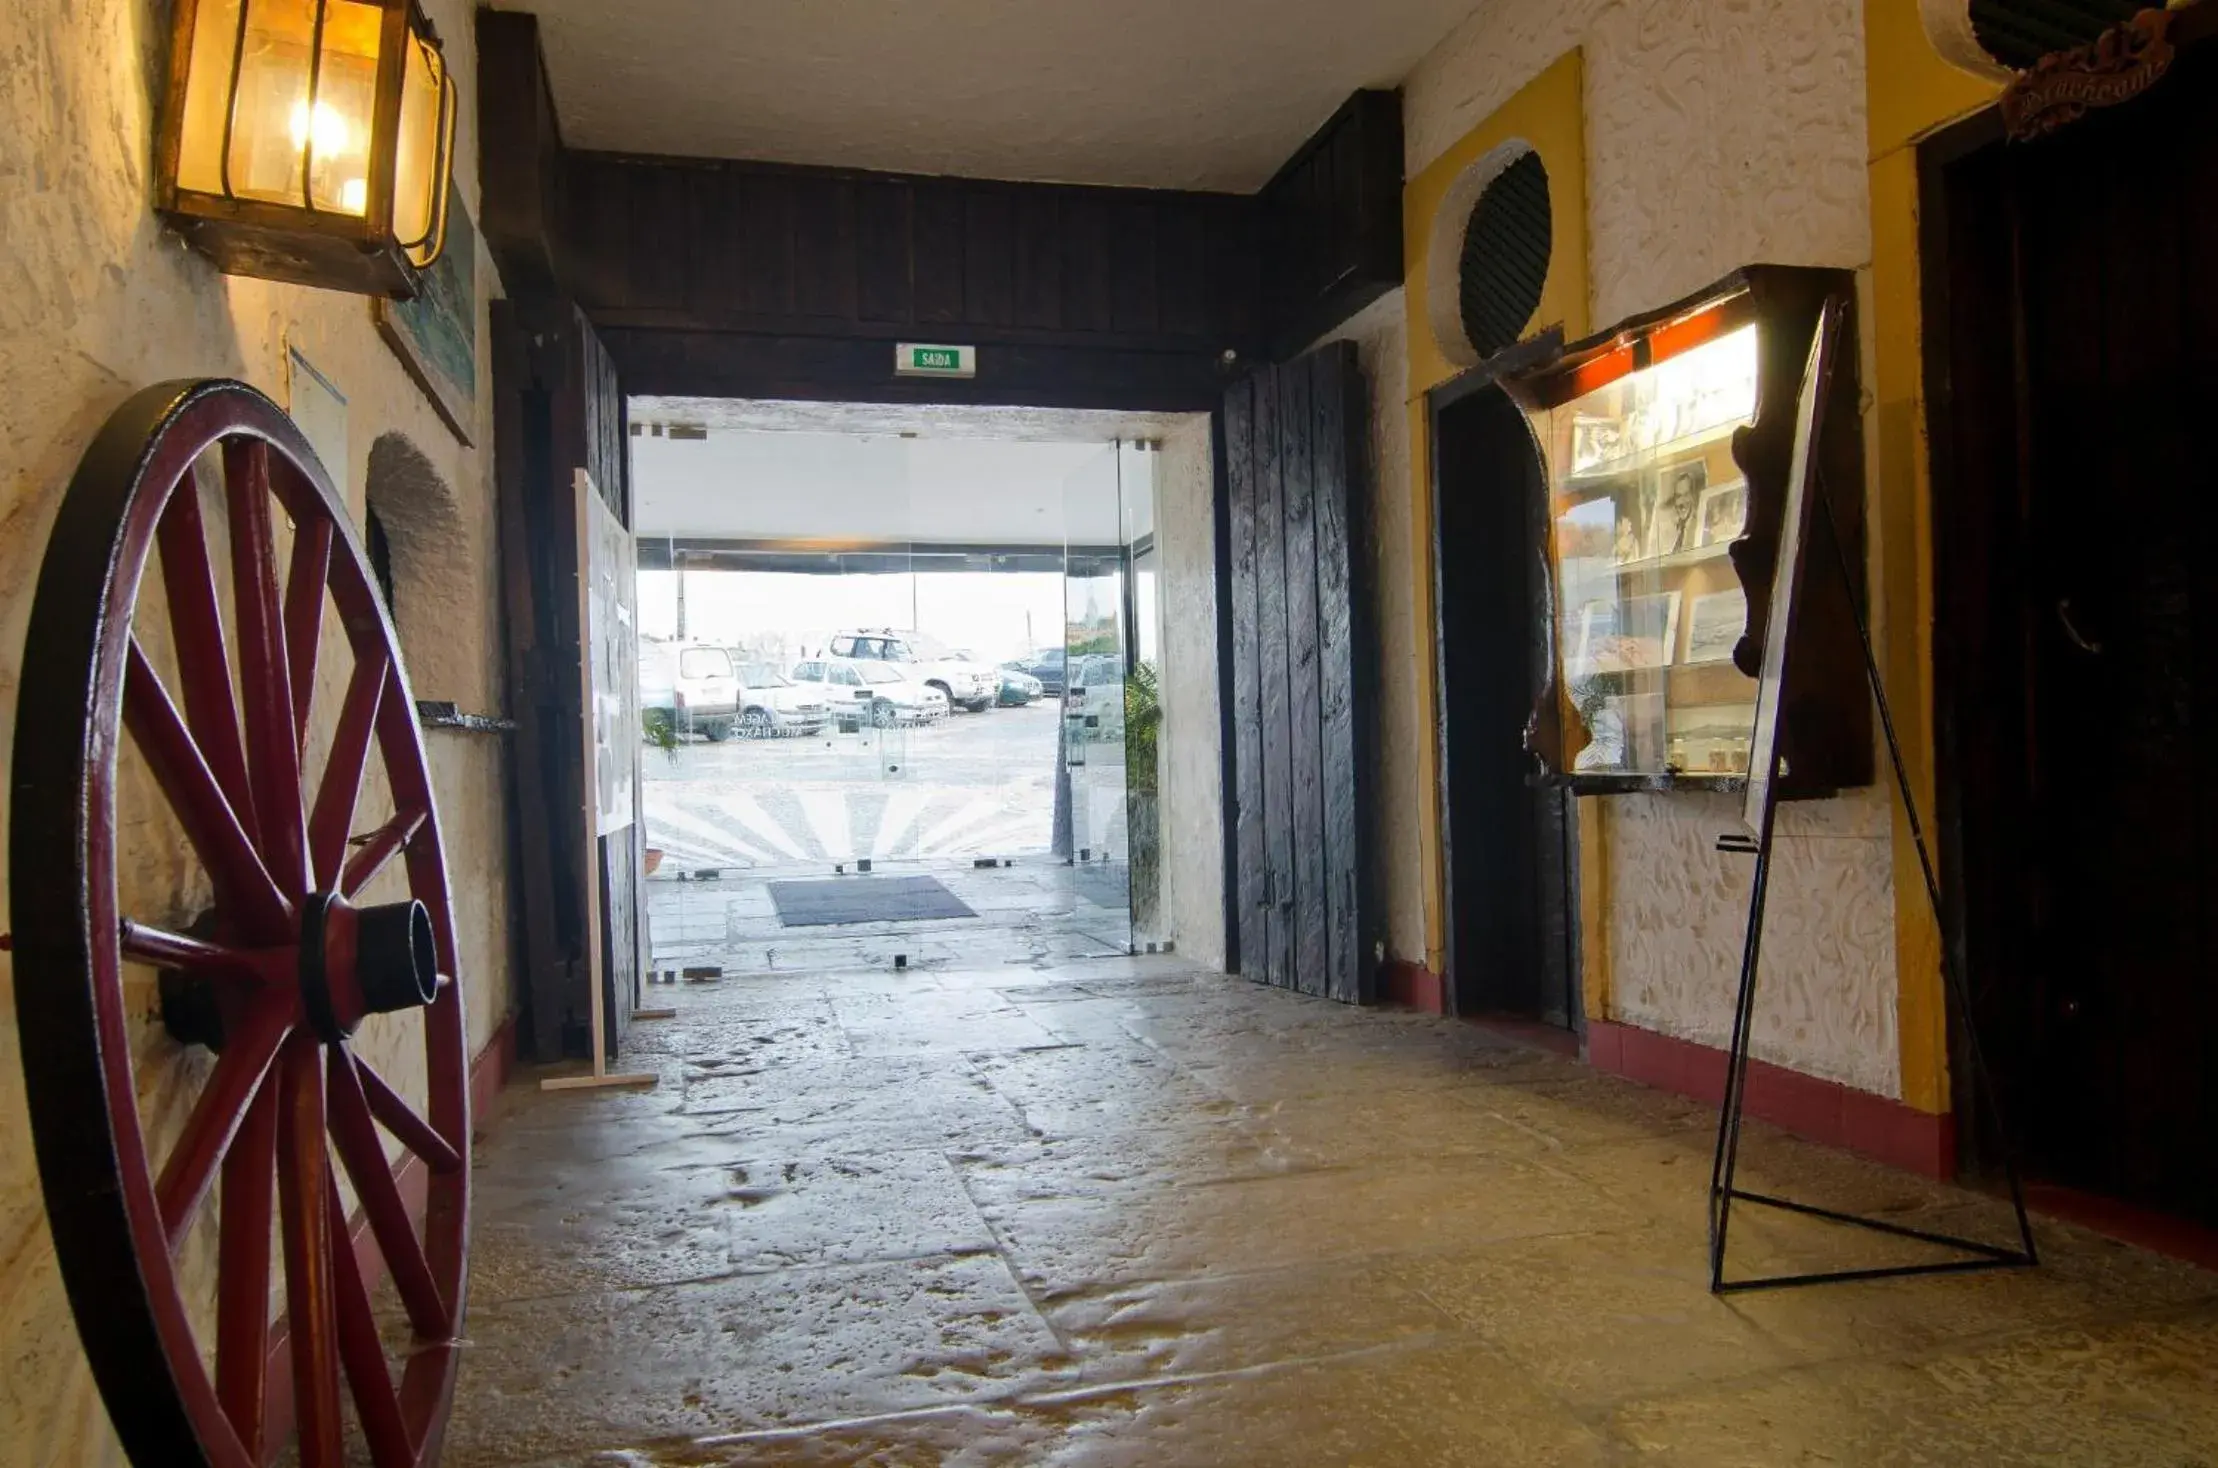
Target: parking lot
971,785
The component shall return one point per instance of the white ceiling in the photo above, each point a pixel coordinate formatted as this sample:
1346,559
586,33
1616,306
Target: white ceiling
871,488
1202,94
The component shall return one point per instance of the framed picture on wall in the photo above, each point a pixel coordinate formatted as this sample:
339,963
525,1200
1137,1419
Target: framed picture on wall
435,335
1674,522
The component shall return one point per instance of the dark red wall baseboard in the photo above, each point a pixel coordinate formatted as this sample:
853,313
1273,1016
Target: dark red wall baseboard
1821,1110
1412,986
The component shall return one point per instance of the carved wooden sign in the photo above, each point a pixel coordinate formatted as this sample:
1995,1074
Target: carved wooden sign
2117,66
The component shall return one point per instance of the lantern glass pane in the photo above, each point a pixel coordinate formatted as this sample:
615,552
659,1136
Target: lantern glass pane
418,179
207,96
300,132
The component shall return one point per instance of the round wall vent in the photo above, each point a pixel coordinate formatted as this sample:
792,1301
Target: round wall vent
1491,242
1998,38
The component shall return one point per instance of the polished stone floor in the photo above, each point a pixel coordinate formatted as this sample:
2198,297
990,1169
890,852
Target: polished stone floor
1112,1212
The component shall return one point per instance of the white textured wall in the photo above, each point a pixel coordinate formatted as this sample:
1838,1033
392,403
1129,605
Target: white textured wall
1718,132
96,301
1192,744
1399,652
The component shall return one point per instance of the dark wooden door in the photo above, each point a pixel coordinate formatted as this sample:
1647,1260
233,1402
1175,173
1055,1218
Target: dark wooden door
559,408
1294,460
2080,631
1511,844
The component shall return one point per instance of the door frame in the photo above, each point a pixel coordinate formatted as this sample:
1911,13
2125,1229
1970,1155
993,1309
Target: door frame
1465,994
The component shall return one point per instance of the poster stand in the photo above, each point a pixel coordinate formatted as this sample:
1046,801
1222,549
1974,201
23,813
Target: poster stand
1767,765
589,503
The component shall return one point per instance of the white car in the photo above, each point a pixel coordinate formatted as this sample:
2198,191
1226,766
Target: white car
771,703
876,693
691,684
972,685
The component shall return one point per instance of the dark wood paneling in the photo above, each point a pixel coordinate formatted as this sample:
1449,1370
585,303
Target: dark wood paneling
882,252
1251,886
989,256
939,254
522,178
824,282
1333,217
1338,407
1305,731
1272,680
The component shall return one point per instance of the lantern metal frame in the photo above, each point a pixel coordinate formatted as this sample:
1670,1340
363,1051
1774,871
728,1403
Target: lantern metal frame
301,243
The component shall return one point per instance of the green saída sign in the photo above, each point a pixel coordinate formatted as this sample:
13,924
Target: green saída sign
919,359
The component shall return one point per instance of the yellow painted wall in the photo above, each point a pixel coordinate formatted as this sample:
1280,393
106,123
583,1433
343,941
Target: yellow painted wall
1546,113
1911,92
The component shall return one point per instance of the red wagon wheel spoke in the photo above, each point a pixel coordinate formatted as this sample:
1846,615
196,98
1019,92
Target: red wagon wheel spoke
278,977
369,1377
355,1136
409,1129
308,1224
305,585
243,1264
203,656
217,1114
342,772
188,955
242,882
382,846
265,676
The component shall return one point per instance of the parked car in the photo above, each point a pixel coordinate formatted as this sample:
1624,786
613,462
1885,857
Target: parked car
691,684
770,703
1018,689
1046,665
859,691
968,684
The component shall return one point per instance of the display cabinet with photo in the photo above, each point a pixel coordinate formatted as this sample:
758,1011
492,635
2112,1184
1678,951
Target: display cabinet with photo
1666,442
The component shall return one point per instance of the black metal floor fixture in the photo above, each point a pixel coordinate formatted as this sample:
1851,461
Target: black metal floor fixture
1970,1254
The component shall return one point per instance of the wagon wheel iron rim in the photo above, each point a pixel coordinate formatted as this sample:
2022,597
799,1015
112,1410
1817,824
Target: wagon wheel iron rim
277,976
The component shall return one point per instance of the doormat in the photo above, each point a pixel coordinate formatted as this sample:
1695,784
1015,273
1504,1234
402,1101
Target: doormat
865,900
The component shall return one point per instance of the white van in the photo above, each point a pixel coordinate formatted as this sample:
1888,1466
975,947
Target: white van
692,684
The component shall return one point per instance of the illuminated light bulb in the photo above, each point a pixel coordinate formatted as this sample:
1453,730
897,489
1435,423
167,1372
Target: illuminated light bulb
354,195
324,124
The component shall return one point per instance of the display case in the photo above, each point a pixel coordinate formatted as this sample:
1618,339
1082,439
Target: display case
1666,443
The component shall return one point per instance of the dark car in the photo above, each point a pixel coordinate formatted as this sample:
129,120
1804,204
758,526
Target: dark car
1045,665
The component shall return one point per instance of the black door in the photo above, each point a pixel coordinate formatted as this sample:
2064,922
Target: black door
1294,458
558,408
1511,845
2078,653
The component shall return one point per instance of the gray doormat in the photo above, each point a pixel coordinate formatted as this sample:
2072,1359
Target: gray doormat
864,900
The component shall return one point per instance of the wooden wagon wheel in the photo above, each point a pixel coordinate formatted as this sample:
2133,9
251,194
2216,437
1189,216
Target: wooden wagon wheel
275,974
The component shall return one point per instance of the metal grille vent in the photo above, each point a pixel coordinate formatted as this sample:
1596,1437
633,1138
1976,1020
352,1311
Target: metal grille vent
1505,256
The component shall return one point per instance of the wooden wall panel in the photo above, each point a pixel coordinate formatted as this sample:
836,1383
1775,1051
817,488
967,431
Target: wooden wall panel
1250,886
1306,774
1333,216
1339,409
1271,640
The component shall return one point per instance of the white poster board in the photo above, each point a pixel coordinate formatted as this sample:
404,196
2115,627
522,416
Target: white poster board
1786,574
612,657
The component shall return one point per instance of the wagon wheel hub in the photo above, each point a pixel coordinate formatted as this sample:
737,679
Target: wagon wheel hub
360,961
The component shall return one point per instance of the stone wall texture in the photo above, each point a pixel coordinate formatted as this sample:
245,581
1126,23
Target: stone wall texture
1192,793
1719,132
98,299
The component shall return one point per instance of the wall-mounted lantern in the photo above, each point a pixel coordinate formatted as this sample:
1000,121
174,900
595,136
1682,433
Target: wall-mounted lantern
309,140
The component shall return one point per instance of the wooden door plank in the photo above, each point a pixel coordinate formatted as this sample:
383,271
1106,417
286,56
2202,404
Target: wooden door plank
1305,753
1251,852
882,292
1271,641
1337,405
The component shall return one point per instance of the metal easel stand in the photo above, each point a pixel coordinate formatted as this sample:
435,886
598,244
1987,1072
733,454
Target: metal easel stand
1972,1255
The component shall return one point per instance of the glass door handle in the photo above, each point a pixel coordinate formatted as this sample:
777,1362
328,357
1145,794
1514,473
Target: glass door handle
2080,640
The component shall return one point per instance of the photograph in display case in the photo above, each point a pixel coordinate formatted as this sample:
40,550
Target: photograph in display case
1723,512
1628,635
1715,623
1624,727
1676,499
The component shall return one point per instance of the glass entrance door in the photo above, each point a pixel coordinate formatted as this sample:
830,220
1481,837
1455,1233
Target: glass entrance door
1095,661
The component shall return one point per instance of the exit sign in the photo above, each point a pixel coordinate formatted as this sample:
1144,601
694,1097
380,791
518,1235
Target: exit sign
916,359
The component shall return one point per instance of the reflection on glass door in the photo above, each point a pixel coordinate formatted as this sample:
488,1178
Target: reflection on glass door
1094,660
